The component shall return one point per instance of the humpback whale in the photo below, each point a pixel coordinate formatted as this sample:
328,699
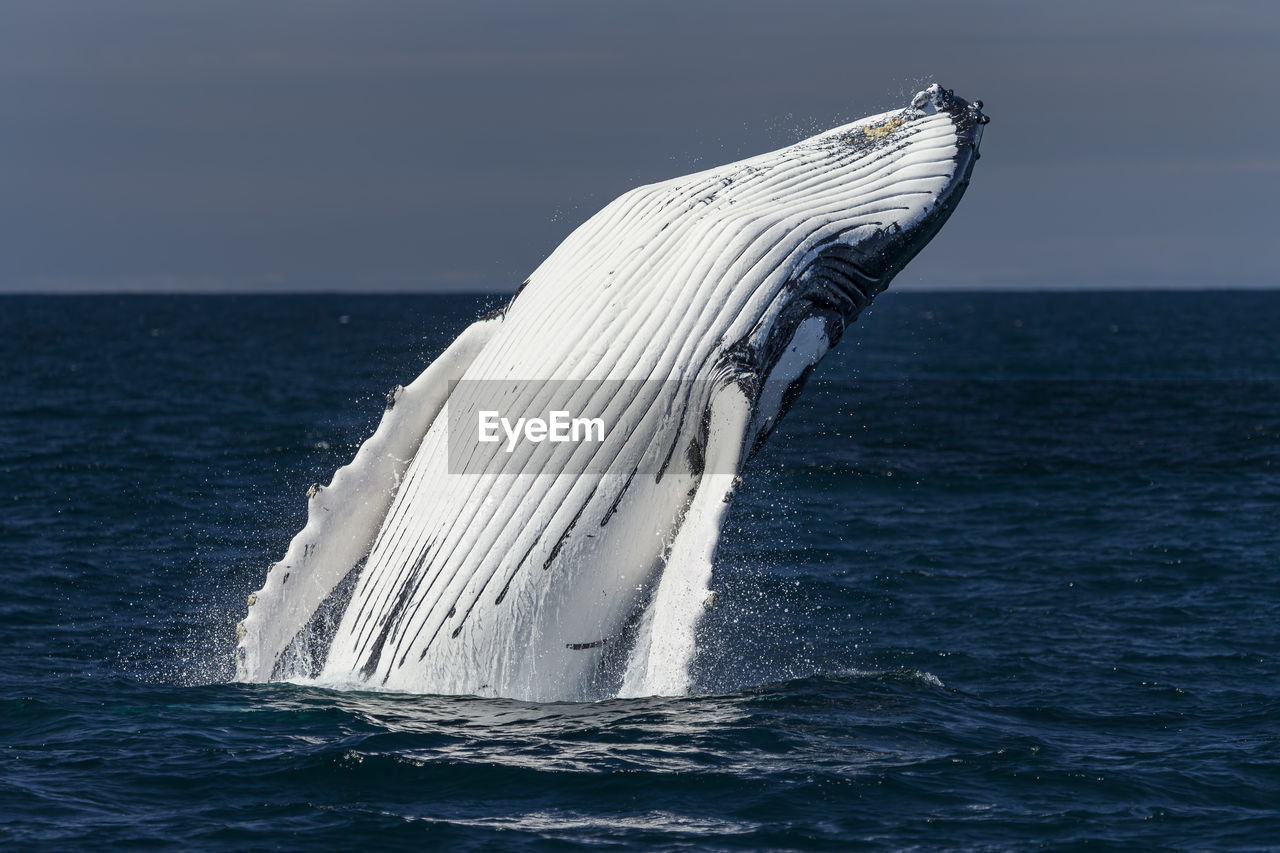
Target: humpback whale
683,318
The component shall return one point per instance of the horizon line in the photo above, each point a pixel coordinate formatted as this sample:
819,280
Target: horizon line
1127,288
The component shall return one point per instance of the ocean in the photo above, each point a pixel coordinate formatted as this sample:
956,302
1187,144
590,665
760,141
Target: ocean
1008,576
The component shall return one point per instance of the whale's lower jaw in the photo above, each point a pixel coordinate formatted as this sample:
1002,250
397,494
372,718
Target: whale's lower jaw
719,291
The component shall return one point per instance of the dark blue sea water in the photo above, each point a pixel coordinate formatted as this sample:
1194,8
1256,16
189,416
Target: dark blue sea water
1009,577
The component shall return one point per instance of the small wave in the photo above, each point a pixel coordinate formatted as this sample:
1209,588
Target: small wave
916,675
552,822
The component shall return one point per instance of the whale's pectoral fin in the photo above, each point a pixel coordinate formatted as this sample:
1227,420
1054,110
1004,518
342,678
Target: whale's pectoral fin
659,663
344,517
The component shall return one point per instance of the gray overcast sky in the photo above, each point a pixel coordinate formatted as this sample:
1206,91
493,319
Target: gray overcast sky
449,146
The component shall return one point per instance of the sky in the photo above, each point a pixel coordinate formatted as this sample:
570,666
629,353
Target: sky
440,146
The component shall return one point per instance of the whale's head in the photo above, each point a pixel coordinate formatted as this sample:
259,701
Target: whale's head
880,189
829,220
820,228
755,247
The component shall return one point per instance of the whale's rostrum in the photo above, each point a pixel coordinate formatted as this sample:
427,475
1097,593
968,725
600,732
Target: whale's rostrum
686,315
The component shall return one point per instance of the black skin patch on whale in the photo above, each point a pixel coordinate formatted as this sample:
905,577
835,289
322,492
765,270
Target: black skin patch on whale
501,312
833,288
789,398
408,589
411,580
613,507
392,618
666,460
519,565
695,455
375,652
736,363
555,551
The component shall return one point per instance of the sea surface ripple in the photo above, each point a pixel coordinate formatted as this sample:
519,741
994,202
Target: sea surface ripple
1005,578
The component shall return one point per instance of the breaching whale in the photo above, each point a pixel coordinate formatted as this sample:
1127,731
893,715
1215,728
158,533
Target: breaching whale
684,317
